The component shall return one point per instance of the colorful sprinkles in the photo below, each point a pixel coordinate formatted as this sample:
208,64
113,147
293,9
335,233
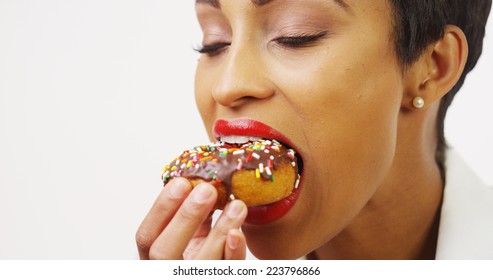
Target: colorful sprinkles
214,161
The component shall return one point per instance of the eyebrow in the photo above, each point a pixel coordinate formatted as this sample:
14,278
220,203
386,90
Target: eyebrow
217,4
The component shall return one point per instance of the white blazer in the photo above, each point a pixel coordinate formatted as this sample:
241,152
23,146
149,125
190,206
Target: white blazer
466,220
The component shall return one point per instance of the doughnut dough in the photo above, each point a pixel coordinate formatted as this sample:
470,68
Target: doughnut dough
258,173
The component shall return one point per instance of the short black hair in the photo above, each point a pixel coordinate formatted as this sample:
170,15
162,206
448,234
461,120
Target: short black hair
418,23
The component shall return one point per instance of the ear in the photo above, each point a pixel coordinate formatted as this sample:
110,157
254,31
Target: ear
437,70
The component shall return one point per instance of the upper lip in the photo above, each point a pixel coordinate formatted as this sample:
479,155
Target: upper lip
248,127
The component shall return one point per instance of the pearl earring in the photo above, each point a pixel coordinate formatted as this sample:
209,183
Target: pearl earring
418,102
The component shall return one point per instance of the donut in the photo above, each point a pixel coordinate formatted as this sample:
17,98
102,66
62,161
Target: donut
257,172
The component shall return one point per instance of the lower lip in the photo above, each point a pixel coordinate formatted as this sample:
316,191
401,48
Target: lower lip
266,214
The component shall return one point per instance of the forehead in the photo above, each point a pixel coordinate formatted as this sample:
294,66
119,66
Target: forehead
375,10
217,3
354,7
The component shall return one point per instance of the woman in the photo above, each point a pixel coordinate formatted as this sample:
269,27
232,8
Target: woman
360,90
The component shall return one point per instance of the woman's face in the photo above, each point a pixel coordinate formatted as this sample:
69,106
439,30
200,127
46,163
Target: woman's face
324,74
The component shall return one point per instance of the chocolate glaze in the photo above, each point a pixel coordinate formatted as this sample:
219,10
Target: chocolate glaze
218,161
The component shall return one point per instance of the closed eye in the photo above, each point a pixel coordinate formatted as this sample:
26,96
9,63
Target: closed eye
212,49
300,41
286,41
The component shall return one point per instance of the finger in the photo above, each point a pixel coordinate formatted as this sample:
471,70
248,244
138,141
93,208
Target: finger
198,239
204,228
173,241
161,213
232,218
235,245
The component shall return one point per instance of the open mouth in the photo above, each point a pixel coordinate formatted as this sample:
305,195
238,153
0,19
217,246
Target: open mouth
241,141
246,132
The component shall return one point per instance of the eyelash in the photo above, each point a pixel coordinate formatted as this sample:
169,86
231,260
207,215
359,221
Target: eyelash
300,41
212,49
288,41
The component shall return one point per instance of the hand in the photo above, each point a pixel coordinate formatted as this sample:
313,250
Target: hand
178,226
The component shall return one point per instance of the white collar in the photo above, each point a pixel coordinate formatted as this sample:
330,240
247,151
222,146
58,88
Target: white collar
466,220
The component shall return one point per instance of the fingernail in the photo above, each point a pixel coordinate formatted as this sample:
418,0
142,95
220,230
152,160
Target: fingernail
233,241
201,193
178,188
234,209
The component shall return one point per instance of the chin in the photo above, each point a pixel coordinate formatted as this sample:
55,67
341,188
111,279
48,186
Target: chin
267,252
276,242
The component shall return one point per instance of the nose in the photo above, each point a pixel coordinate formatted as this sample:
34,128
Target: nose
242,78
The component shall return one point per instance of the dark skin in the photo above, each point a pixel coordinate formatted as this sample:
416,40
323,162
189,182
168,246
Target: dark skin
372,188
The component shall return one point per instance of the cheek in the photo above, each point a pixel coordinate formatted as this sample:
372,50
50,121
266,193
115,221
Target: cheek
203,97
348,102
349,110
361,107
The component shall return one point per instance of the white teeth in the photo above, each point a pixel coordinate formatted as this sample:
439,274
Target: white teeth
241,139
236,139
227,139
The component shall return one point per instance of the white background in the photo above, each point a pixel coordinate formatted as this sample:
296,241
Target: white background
96,95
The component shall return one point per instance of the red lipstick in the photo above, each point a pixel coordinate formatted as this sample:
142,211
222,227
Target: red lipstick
248,127
264,214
